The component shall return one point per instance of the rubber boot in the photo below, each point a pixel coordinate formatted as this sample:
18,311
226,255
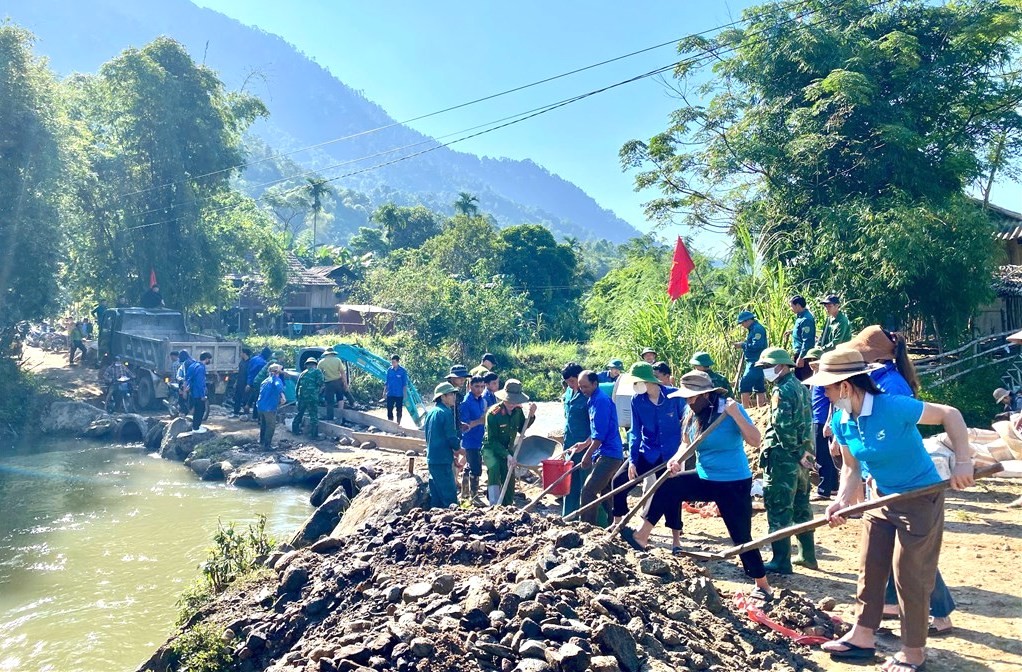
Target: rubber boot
295,429
473,490
781,562
465,493
493,494
806,551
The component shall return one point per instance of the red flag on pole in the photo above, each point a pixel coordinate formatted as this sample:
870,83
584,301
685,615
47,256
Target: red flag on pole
677,286
153,283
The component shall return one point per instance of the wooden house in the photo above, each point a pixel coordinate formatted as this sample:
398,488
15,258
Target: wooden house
1005,313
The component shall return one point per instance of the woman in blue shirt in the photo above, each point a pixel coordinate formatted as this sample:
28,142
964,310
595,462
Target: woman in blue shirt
897,376
879,432
721,475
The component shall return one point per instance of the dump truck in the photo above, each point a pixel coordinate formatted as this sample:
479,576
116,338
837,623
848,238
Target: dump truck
149,339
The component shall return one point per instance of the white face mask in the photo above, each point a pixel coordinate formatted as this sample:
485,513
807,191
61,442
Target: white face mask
845,404
639,388
770,374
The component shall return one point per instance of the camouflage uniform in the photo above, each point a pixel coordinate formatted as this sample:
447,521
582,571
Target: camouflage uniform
720,381
502,429
788,437
310,385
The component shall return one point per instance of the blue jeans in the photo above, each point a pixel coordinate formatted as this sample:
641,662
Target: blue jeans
443,491
941,602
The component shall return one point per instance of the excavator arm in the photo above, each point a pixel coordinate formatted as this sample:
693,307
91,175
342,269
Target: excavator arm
377,366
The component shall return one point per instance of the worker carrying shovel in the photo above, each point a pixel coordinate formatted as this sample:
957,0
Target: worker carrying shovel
504,422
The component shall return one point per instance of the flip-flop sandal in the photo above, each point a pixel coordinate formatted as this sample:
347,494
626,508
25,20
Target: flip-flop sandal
677,550
934,631
628,534
853,652
892,664
760,597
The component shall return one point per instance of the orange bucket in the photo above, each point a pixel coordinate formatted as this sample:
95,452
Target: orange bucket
554,469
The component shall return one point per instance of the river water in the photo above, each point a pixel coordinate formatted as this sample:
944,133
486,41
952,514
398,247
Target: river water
96,544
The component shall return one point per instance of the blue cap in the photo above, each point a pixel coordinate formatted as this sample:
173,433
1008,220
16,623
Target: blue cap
745,315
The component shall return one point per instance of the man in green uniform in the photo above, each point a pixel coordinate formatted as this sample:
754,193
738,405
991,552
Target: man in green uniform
837,330
786,459
702,361
803,336
276,358
310,385
503,424
486,365
442,447
753,346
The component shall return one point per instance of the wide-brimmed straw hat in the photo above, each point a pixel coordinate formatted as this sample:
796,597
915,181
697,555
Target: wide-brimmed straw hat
838,365
512,392
874,344
694,383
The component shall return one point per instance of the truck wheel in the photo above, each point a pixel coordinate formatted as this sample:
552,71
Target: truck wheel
144,395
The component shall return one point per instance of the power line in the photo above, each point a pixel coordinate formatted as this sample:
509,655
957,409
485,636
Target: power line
446,109
693,60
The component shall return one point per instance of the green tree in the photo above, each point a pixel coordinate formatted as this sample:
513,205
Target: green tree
467,246
288,205
467,204
316,189
162,138
31,180
844,138
406,227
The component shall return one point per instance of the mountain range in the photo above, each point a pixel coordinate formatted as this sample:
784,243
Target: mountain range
309,105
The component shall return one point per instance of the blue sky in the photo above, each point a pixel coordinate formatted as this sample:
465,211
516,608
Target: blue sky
415,57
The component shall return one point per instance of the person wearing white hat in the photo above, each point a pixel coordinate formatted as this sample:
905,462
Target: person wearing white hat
880,431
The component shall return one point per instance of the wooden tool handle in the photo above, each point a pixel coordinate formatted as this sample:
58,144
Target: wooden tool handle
511,470
861,507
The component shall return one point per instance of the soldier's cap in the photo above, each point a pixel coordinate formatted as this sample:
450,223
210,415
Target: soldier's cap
745,315
443,388
512,392
831,298
329,351
773,357
458,371
701,359
312,361
694,383
1000,394
647,351
616,364
838,365
642,372
813,354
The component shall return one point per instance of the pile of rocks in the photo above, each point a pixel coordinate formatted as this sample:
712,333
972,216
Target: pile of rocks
485,590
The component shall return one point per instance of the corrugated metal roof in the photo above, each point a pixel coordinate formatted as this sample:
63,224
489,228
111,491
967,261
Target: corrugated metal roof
1008,280
297,274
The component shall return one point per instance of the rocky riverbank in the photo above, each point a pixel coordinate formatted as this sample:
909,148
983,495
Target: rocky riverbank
394,588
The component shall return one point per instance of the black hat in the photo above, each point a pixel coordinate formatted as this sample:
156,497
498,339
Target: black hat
831,298
488,357
458,371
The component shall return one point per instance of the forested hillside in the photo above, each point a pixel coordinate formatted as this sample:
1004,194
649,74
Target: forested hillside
309,105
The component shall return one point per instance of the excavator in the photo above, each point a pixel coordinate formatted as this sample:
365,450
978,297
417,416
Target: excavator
374,365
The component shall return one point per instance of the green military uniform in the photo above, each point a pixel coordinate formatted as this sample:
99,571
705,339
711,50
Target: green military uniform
310,385
789,436
835,332
502,428
702,361
720,381
265,371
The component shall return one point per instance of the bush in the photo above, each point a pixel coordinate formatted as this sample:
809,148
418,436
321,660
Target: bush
971,394
201,649
23,399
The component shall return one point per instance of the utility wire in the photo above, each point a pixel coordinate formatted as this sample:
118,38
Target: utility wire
693,60
459,106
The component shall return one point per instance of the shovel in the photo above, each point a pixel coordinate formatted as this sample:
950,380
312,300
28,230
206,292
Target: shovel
511,470
844,513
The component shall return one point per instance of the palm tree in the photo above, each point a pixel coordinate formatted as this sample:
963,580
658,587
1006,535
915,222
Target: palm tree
466,204
316,190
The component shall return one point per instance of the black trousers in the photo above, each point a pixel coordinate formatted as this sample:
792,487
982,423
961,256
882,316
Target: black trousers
733,498
198,410
829,477
333,392
392,404
239,395
599,483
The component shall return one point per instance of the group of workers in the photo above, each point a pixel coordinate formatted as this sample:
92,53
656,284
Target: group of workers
841,405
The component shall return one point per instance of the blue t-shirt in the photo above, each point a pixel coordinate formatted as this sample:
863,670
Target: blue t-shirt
491,398
255,365
470,410
821,404
576,417
656,429
269,394
603,426
890,380
397,380
721,455
886,440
